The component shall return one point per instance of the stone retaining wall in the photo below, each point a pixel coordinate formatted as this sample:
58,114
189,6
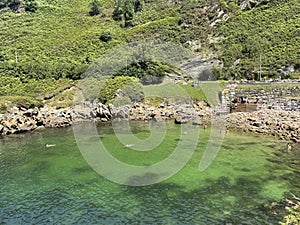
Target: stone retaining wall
273,98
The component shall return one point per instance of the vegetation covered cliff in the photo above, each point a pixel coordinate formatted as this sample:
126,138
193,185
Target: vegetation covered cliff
59,39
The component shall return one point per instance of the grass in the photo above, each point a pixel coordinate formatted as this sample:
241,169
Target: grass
207,91
62,100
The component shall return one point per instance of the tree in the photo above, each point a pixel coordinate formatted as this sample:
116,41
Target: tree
95,8
128,12
138,6
126,9
118,10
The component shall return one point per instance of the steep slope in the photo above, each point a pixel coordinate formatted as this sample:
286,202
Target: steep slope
60,39
268,34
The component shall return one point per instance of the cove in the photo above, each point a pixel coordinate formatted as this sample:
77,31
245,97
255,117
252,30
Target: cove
55,185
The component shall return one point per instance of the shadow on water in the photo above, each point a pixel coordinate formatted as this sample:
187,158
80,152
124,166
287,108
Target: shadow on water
291,160
219,202
80,170
146,178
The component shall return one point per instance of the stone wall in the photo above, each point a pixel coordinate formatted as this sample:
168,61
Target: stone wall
272,98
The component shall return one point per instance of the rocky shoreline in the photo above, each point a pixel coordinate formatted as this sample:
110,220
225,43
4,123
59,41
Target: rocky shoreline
22,120
283,124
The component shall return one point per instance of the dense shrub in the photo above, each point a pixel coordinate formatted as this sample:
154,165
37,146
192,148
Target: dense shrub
106,36
29,93
133,91
121,101
94,8
260,33
30,5
90,88
148,72
114,85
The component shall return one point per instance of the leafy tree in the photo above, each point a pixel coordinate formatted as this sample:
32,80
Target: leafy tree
3,4
128,12
126,9
118,10
94,8
138,6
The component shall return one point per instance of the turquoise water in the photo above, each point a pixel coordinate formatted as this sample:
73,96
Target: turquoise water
55,185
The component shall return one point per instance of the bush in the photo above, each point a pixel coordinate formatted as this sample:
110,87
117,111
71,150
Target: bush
148,72
19,101
121,101
30,6
106,36
112,86
94,8
90,88
133,91
206,74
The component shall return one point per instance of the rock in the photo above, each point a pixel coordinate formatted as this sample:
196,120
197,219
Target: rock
197,121
256,124
1,129
162,105
282,124
28,113
104,120
39,128
157,118
181,120
121,113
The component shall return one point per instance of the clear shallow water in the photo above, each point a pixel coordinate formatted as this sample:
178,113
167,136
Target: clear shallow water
55,185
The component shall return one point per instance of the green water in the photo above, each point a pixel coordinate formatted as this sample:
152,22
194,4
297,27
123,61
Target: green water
55,185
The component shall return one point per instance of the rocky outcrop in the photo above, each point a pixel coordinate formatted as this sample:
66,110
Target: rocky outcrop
249,4
22,120
285,125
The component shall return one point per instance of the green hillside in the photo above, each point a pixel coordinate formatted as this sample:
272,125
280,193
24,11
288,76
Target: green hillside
269,33
61,38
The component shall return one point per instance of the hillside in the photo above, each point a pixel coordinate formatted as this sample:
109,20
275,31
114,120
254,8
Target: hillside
269,33
60,39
